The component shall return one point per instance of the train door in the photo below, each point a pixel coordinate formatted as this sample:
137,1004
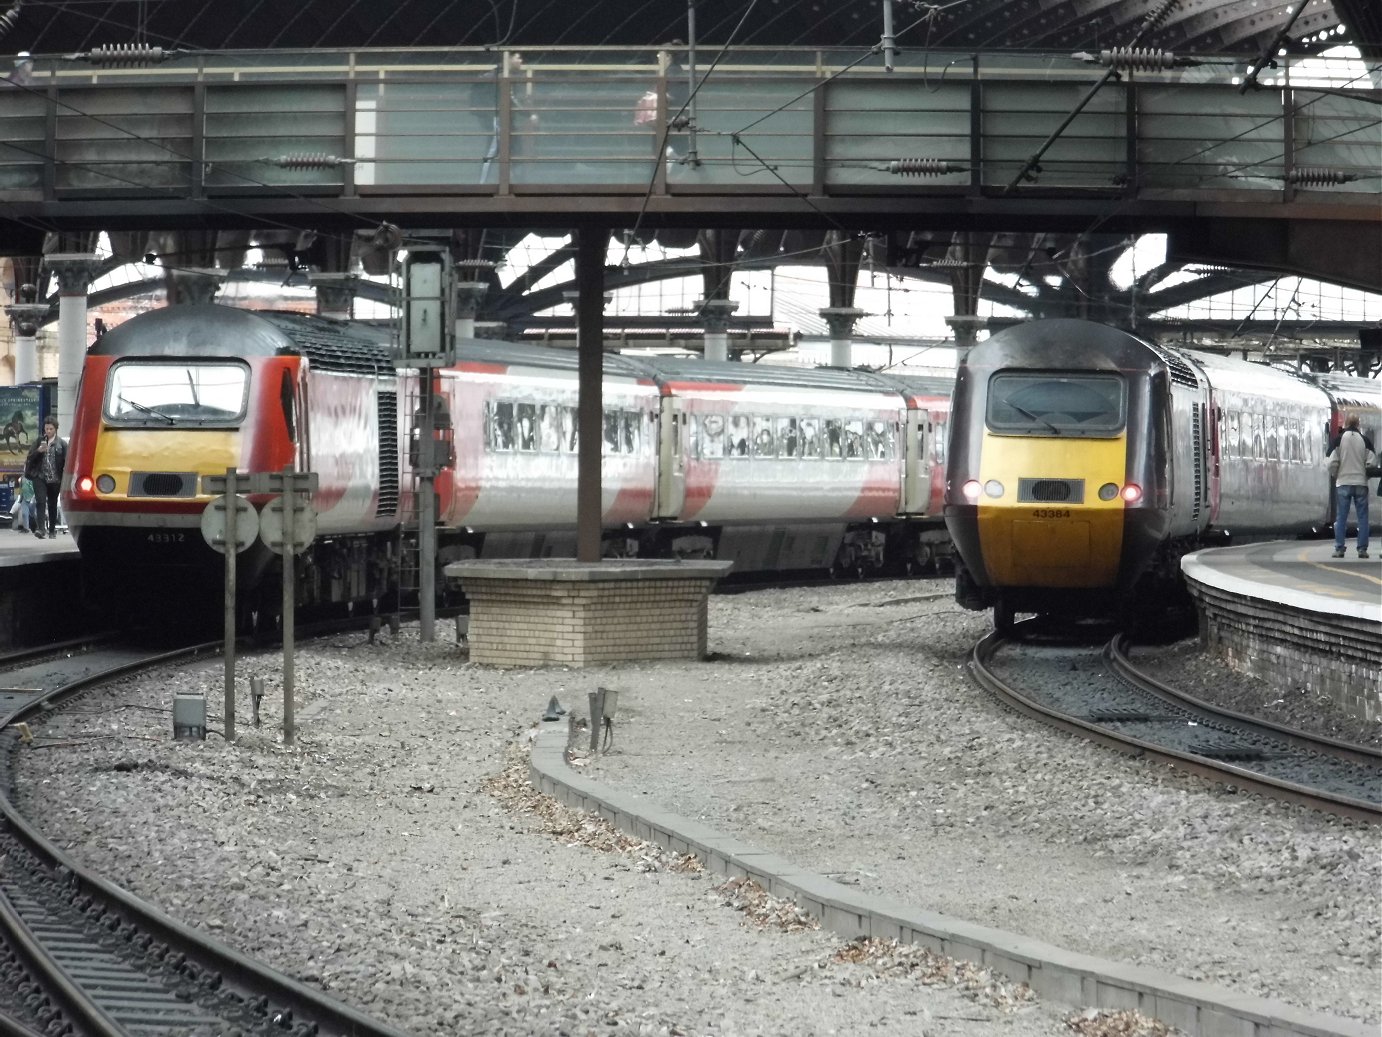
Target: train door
671,460
302,433
1215,422
916,464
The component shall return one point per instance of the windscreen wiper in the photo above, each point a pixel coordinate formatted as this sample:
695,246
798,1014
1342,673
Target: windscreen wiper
147,410
1029,415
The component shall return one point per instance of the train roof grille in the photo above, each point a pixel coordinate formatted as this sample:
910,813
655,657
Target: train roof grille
1181,371
332,346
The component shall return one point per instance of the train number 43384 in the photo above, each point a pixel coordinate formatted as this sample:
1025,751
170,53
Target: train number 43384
162,536
1050,513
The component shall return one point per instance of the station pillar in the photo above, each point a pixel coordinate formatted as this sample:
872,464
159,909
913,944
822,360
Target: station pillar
715,315
26,317
335,294
468,296
74,271
841,320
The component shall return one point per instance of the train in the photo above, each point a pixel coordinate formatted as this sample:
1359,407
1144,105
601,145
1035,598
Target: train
1086,461
774,468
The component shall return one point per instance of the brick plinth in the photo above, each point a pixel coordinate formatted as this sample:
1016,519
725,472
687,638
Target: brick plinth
1334,655
557,612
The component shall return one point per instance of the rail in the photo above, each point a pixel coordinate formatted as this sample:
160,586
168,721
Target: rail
1329,778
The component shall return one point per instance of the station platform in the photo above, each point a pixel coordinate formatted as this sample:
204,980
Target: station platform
1293,615
20,547
1299,573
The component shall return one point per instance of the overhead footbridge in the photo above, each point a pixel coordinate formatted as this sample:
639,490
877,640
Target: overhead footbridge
1287,173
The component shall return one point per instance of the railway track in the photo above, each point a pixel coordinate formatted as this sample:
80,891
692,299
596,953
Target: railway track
1097,693
81,957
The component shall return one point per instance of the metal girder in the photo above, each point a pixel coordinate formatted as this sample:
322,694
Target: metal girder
1313,248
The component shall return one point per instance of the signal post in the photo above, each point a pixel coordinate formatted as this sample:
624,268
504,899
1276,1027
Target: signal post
287,525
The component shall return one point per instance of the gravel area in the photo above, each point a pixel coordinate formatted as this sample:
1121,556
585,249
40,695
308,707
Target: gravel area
395,857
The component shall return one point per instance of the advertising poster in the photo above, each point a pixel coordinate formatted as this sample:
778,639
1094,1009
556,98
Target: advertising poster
19,417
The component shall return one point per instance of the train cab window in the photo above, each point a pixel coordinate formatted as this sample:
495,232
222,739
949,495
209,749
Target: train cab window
158,394
788,437
811,438
1041,403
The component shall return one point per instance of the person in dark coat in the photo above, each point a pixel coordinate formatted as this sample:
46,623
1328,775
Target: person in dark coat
44,467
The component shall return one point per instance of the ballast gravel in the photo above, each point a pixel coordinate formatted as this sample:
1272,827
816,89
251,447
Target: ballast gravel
396,857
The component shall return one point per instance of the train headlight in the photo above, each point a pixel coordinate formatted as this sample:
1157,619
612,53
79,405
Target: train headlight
104,484
1108,491
971,490
993,488
1132,493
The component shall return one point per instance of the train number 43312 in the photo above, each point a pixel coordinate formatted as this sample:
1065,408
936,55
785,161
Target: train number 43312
165,537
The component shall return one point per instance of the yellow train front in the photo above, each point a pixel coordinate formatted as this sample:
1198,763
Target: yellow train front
1068,478
184,392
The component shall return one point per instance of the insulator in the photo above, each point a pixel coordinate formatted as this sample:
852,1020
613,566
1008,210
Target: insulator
125,55
1136,59
923,167
1318,176
8,19
306,160
1158,16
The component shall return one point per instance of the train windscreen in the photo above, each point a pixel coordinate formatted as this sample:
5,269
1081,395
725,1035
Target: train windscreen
1043,403
153,393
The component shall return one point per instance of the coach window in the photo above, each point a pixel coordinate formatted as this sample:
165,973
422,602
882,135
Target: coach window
502,426
176,393
811,438
712,436
764,443
854,439
738,444
629,431
549,427
788,437
569,442
525,426
611,432
834,438
876,440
